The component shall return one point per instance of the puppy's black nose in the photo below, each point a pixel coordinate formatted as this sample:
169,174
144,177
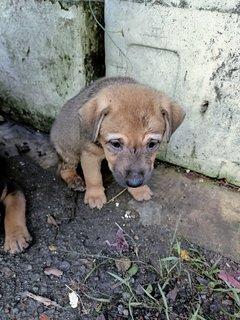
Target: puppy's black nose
134,179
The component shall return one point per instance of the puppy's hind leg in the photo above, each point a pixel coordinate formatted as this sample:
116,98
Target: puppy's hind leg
68,173
91,165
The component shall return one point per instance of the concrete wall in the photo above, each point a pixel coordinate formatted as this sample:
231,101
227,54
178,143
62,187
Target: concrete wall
48,51
190,50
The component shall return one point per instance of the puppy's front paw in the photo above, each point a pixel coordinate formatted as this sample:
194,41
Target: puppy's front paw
17,239
95,197
141,193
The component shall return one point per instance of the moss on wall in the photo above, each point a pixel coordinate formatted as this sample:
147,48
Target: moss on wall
93,41
19,110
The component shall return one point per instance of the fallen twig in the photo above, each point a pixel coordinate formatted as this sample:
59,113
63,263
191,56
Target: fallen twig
116,196
46,301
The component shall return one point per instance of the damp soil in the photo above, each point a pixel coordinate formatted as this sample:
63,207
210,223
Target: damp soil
112,265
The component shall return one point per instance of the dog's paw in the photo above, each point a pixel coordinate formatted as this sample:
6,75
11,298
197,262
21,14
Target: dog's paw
141,193
76,184
72,179
95,197
17,239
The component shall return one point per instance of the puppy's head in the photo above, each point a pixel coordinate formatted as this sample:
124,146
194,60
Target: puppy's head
129,121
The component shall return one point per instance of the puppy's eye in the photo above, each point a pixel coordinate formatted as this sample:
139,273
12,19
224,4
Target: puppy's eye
152,145
115,144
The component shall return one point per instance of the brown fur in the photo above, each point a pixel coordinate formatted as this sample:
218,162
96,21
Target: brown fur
120,120
17,237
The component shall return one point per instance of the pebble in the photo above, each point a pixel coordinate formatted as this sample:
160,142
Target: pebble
227,302
65,266
214,307
81,271
36,277
120,308
29,267
126,296
35,289
40,310
15,311
125,312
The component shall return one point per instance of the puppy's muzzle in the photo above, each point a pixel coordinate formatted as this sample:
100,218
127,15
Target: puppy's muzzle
134,178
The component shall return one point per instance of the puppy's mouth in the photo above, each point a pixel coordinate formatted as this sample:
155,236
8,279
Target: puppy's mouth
132,179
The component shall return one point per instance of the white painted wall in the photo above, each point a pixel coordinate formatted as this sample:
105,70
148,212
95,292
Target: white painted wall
193,54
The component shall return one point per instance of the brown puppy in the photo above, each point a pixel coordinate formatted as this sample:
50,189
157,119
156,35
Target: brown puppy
117,119
17,237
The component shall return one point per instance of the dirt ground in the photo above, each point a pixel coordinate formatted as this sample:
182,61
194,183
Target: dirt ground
113,263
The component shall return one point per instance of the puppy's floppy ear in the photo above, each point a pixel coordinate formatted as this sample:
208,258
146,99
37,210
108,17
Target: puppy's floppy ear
173,116
91,116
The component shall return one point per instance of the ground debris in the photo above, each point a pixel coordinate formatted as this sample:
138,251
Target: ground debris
46,301
52,221
23,147
123,264
229,279
53,271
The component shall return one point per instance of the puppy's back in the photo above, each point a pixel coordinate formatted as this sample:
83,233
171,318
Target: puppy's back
65,132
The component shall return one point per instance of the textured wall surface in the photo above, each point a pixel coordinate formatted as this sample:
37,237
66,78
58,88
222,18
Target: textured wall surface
47,52
192,53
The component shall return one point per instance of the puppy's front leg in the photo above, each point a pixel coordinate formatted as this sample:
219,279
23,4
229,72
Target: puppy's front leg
141,193
91,166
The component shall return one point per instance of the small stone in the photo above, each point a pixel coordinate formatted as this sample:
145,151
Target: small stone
81,271
15,310
65,266
120,308
35,289
126,296
227,302
36,277
6,310
125,312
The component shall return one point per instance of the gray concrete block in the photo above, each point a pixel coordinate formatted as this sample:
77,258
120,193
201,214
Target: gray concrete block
192,55
47,53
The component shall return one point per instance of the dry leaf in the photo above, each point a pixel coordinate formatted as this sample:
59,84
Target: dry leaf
43,316
226,277
52,220
120,243
172,294
46,301
184,255
123,264
53,271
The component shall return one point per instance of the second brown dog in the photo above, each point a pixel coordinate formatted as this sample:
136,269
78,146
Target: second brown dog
117,119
